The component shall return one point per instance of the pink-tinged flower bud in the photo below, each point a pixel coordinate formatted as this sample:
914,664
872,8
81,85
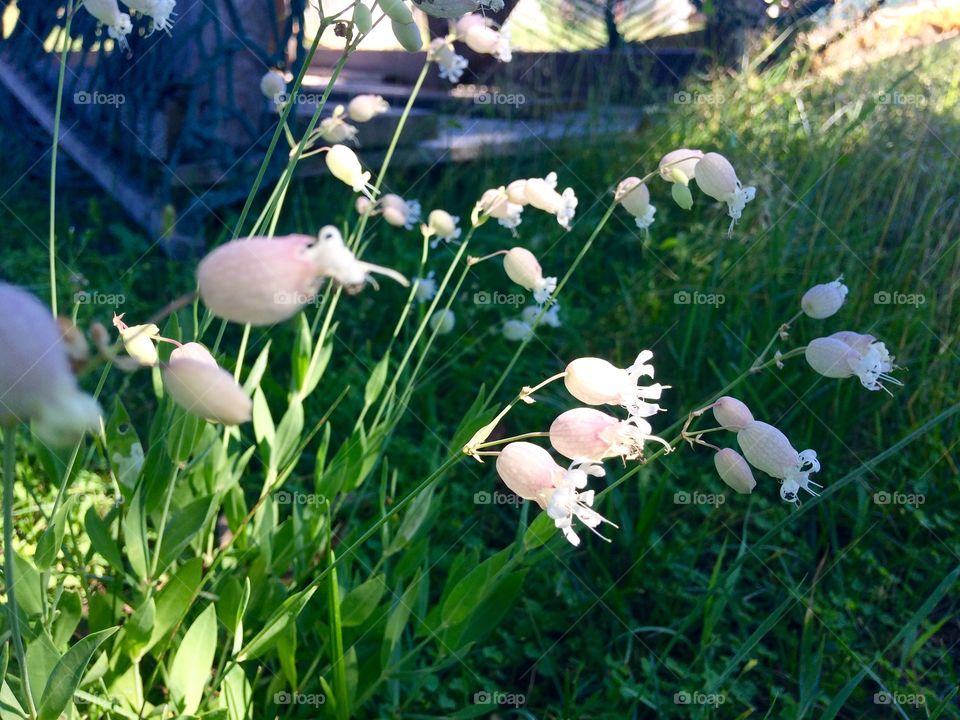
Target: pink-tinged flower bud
523,268
734,470
443,321
469,21
202,388
717,178
345,166
485,40
273,85
397,11
495,203
36,382
635,198
588,434
259,280
769,450
364,108
363,205
408,35
678,166
822,301
732,414
847,354
529,471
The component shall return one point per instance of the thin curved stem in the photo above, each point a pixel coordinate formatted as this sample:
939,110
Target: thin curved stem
52,247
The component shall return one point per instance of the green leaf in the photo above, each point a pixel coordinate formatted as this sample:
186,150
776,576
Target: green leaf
538,532
359,603
192,664
101,540
378,377
48,546
318,364
182,528
257,370
263,428
42,658
288,435
412,520
139,628
28,585
237,695
126,451
69,612
284,615
68,673
135,535
184,433
397,620
174,600
471,590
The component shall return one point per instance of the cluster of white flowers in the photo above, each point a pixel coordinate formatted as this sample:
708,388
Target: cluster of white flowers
478,33
119,24
506,203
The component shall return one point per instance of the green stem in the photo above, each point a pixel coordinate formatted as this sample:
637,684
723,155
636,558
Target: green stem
52,250
9,472
758,363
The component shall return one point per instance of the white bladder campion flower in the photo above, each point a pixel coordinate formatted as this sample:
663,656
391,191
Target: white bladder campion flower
118,24
477,33
822,301
443,321
36,382
363,108
732,414
634,196
335,129
449,63
716,177
201,387
524,269
138,341
550,316
678,166
426,287
273,85
345,166
542,194
530,472
734,470
263,281
769,450
160,12
847,354
595,381
589,434
443,227
496,204
399,212
452,9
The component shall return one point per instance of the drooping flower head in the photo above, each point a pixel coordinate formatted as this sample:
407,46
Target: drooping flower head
732,414
364,108
449,63
522,267
159,11
399,212
443,227
426,287
118,24
589,434
769,450
542,194
595,381
202,388
549,317
273,85
478,33
716,177
36,382
345,166
734,470
138,341
678,166
822,301
634,196
496,204
846,354
530,472
335,129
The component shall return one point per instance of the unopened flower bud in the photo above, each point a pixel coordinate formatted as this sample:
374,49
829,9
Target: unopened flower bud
734,470
529,471
682,196
364,108
732,414
408,35
635,198
523,268
362,18
345,166
397,11
399,212
443,225
822,301
138,342
679,165
273,85
202,388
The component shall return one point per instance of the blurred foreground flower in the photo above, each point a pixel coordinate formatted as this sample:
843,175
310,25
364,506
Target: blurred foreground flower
399,212
159,11
450,64
36,383
364,108
478,34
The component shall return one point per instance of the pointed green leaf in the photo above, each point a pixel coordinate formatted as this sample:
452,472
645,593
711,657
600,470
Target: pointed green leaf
68,673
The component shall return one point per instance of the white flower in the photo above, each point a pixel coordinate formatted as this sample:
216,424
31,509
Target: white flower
550,317
846,354
334,129
522,267
426,288
516,330
717,178
595,381
494,202
335,260
399,212
118,24
678,166
443,321
477,34
345,166
273,85
364,108
589,434
138,341
542,194
822,301
569,500
635,198
159,10
769,450
449,63
732,414
443,226
202,388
